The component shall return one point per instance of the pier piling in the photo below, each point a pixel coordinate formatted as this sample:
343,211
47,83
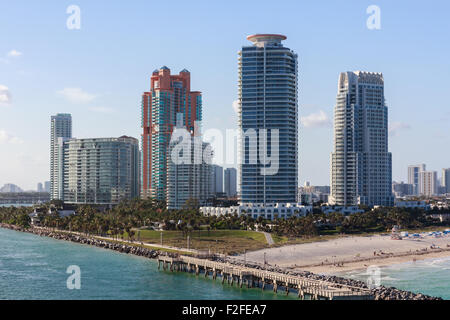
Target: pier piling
315,289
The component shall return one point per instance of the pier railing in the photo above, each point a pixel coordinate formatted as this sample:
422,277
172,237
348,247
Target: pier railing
253,277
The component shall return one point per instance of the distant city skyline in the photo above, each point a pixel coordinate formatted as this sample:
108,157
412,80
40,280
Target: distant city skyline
96,74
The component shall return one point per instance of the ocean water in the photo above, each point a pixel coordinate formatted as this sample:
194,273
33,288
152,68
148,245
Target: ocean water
431,276
33,267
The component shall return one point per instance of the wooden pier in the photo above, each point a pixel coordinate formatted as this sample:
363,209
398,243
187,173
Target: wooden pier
256,278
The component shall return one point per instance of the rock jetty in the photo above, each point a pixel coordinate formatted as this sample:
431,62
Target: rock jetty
379,293
120,247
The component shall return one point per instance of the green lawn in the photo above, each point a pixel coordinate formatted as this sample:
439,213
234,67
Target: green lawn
237,241
218,241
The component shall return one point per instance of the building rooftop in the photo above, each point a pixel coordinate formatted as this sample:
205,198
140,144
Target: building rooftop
266,37
267,40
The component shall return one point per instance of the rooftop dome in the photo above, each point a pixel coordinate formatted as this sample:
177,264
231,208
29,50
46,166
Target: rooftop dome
184,70
164,68
265,38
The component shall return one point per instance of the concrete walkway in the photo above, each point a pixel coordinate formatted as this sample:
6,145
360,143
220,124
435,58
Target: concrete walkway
152,245
269,238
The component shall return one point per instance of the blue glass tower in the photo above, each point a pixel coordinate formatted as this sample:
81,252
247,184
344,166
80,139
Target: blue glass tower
268,100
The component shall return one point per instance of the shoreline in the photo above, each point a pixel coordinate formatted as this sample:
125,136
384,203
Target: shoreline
381,263
92,241
379,293
353,253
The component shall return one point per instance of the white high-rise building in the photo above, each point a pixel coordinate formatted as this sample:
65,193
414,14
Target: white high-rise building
428,183
414,176
231,182
361,169
100,170
189,169
61,127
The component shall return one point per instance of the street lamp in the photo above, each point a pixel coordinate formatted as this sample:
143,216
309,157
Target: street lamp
265,261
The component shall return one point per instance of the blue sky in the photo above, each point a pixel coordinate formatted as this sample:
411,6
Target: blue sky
99,72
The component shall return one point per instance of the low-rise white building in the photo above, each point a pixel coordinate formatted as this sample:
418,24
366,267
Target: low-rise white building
443,217
268,211
412,205
440,205
341,209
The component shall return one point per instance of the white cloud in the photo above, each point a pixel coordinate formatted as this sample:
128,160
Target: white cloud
315,120
5,95
102,109
395,127
77,95
14,53
6,138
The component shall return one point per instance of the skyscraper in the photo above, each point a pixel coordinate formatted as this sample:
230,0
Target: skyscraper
446,180
428,183
47,186
361,166
217,179
268,101
188,178
40,187
414,176
100,170
168,95
230,182
61,127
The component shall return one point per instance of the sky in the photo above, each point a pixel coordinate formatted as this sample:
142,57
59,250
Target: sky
99,72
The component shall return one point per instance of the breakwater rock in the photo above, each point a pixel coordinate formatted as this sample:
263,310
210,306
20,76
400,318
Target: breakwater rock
379,293
111,245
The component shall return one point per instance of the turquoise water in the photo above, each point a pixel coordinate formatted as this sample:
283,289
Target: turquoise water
431,276
32,267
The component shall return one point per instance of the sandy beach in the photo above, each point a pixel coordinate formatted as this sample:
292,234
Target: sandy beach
353,253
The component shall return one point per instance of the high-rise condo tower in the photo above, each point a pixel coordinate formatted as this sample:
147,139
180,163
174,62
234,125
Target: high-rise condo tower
361,169
168,96
414,176
61,128
268,100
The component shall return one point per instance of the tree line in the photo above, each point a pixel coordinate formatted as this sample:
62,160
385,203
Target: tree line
133,214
